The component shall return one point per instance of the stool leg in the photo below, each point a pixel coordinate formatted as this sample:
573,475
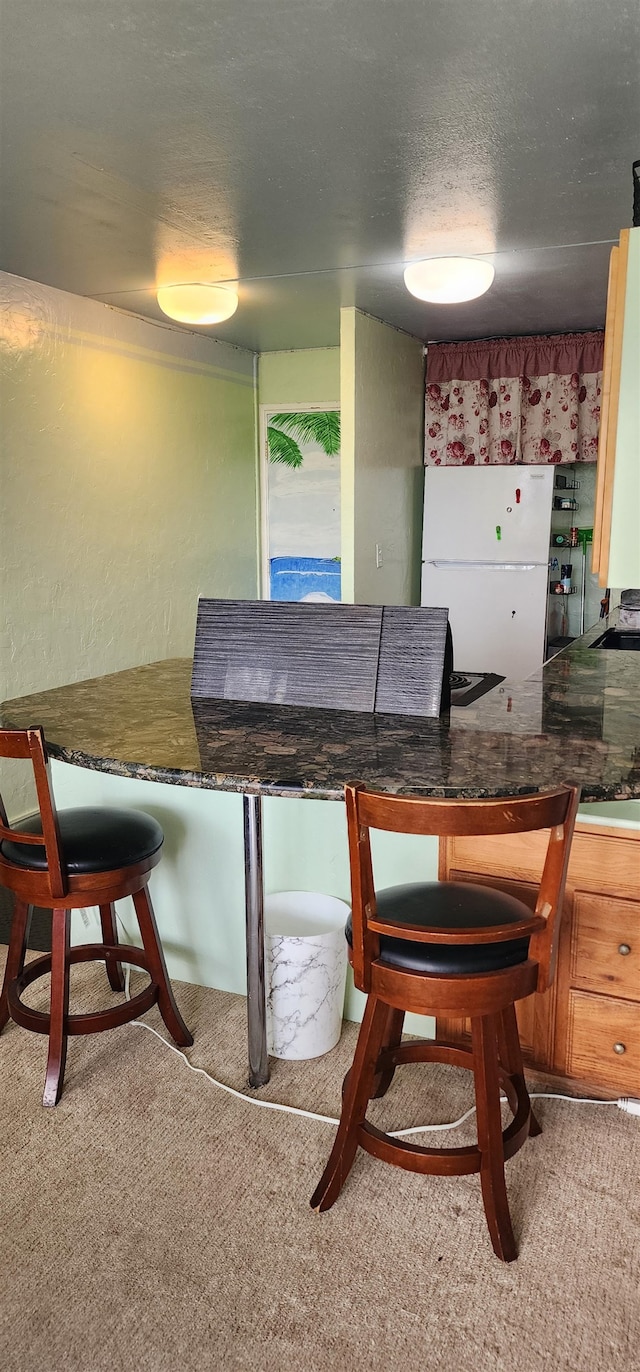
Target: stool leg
59,1009
358,1091
391,1038
487,1085
110,936
16,953
158,969
511,1057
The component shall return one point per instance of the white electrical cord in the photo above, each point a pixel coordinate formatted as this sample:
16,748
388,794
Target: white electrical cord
632,1107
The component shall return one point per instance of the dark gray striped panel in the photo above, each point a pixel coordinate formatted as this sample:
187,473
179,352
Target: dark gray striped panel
284,652
415,661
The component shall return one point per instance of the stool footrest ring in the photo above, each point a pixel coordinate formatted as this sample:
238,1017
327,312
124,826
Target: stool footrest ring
96,1020
446,1161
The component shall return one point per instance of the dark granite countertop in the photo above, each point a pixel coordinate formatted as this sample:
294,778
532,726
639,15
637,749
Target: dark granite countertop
576,720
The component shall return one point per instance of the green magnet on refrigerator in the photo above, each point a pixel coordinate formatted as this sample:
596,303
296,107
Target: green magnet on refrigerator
498,532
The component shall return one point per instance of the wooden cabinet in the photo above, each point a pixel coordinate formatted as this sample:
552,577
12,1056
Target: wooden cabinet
587,1026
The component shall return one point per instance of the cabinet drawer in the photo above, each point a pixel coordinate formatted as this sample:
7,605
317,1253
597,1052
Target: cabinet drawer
605,946
596,1025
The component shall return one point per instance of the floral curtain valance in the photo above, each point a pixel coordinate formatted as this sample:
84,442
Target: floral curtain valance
509,400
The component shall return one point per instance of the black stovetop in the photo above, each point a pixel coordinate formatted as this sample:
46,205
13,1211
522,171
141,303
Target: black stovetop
469,686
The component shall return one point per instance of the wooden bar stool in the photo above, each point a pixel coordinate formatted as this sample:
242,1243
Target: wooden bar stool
65,861
448,948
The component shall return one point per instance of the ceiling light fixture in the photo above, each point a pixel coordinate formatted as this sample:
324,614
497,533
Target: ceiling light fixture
196,302
448,280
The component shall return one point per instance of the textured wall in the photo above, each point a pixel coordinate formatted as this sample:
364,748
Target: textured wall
382,398
308,376
128,485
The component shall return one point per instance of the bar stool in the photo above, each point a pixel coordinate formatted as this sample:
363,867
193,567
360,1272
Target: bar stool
79,857
451,949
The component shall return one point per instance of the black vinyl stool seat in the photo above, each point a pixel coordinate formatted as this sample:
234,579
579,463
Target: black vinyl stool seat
458,951
449,905
92,839
89,856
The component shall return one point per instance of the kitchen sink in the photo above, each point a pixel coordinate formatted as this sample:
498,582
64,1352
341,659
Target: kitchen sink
626,639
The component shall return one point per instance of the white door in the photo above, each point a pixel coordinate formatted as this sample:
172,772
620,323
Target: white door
487,514
497,616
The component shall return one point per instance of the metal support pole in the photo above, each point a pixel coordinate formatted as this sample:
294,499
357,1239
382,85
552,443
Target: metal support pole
254,908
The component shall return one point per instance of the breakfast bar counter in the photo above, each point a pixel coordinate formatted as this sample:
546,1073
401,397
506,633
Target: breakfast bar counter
577,721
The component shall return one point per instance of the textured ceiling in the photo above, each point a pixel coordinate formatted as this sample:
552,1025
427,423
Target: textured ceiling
310,148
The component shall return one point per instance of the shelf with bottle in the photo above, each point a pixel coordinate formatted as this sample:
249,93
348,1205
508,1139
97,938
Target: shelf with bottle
561,582
565,502
571,538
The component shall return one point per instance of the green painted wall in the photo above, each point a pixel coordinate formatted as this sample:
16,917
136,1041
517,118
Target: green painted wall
382,397
310,376
128,479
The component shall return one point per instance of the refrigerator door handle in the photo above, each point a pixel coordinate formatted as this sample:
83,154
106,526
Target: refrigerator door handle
487,566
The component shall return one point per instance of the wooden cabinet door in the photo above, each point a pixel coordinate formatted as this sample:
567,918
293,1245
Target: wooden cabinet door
611,368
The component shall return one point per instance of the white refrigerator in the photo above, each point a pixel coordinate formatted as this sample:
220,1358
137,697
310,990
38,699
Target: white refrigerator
485,556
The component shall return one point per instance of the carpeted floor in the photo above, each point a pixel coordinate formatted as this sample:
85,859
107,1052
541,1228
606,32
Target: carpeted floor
152,1222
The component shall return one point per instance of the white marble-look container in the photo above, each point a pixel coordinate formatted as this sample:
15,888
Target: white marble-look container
306,957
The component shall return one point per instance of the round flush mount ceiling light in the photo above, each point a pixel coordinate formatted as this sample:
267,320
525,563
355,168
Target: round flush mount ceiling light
196,302
448,280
